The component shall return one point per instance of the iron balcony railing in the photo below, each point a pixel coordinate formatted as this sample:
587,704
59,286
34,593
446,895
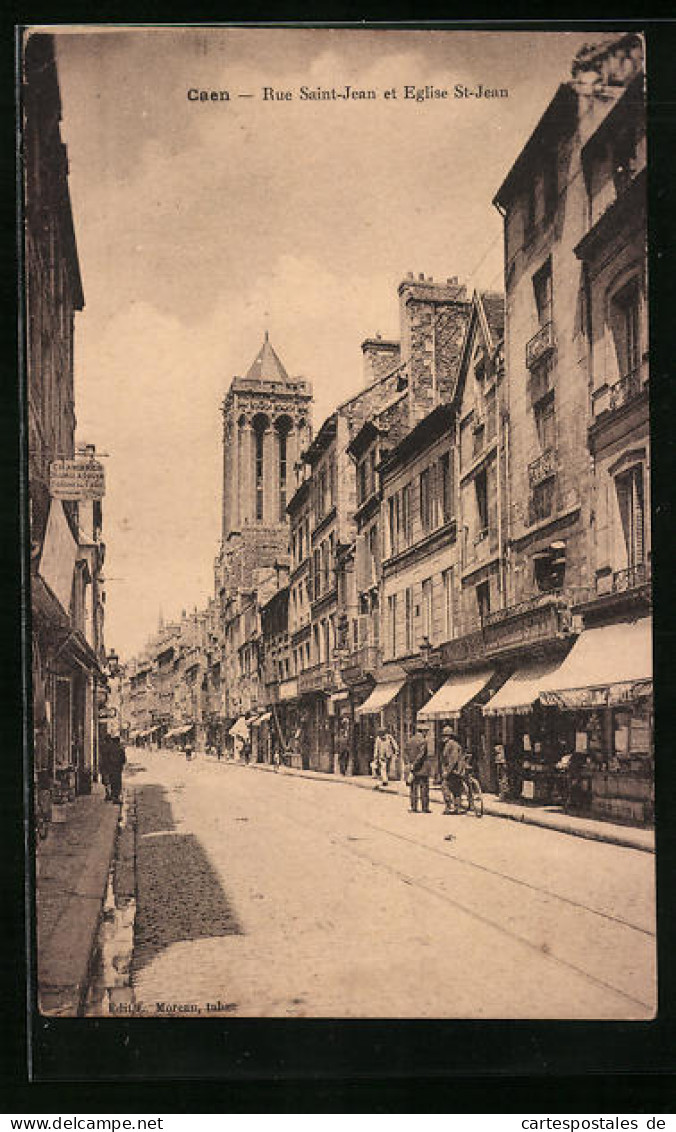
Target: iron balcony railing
543,468
540,345
625,390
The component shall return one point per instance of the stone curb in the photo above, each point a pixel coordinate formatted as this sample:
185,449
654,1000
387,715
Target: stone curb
522,816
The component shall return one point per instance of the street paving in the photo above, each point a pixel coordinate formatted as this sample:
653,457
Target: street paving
271,895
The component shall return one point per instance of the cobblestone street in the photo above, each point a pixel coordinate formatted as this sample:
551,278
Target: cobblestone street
268,895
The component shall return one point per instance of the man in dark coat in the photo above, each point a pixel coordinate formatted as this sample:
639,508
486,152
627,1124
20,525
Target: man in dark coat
116,759
452,770
419,768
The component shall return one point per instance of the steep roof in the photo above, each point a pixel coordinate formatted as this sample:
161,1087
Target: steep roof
493,303
266,366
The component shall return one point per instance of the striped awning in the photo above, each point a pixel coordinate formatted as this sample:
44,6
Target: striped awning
452,697
612,664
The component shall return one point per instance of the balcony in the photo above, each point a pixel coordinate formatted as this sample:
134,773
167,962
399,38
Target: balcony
543,468
540,345
544,617
628,587
319,678
359,663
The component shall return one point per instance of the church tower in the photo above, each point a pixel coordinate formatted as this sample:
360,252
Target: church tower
266,426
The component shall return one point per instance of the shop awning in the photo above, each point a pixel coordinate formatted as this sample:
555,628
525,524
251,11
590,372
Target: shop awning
458,690
381,696
518,694
256,720
240,728
612,664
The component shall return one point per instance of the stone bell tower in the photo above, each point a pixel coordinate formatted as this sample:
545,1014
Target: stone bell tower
266,426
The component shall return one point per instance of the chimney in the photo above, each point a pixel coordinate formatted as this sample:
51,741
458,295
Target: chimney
433,318
381,355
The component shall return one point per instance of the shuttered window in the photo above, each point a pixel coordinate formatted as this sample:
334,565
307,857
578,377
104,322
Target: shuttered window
630,498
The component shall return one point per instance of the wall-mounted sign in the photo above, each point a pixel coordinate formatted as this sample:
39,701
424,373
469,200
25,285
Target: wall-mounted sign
77,480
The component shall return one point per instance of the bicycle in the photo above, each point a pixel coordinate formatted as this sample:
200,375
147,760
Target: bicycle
471,797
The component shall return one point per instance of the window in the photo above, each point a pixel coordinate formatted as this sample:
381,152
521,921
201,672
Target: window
630,499
282,477
373,552
427,608
406,514
326,630
481,490
316,573
542,288
425,500
483,599
393,522
409,620
549,568
449,618
542,501
544,423
491,416
259,474
392,623
445,499
361,482
625,319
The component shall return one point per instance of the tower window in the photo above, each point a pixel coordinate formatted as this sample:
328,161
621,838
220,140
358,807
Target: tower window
282,476
259,475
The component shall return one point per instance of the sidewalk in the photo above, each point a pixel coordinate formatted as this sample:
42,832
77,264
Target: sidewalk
547,817
71,874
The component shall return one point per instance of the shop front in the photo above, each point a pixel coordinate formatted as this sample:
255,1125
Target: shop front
533,738
340,710
384,707
261,737
458,703
603,691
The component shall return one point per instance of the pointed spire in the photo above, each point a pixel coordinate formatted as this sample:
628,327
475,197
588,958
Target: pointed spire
266,366
160,620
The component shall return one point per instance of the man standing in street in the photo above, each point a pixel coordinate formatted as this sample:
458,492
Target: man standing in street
116,760
452,769
419,768
384,749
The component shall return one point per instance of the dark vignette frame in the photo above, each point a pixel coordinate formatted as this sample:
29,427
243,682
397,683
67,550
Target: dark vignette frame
315,1064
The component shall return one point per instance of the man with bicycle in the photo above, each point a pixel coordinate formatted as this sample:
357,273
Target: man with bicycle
453,769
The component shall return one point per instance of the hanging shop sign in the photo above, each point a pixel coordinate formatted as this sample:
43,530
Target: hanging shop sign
77,480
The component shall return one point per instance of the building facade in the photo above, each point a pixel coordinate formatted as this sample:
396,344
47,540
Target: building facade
65,529
467,537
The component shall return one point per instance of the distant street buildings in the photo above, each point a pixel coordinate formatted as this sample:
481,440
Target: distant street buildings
467,538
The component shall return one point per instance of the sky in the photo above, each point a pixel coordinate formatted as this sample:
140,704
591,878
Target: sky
200,225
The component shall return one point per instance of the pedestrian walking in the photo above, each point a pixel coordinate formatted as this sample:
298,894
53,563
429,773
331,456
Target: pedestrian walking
188,750
104,760
116,761
246,751
501,771
384,750
276,758
419,768
344,745
452,770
